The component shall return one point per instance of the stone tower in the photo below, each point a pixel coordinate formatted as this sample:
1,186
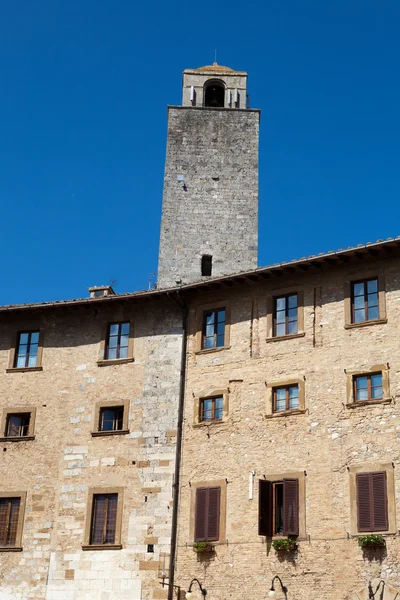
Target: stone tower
210,201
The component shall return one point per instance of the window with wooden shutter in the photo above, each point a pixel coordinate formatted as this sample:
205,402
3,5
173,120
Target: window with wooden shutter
9,513
104,519
207,514
278,507
291,507
265,507
372,506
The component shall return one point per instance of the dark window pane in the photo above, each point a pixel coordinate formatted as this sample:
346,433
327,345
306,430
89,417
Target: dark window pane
124,340
372,299
280,316
114,329
376,392
293,301
22,350
293,397
125,328
113,342
359,302
278,508
210,330
23,338
210,318
280,304
358,289
221,328
372,286
362,382
21,362
32,361
292,314
220,340
209,342
280,395
221,316
123,352
280,329
35,337
359,316
376,380
373,313
292,327
112,353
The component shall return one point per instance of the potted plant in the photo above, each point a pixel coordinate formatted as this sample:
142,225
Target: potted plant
371,541
284,544
201,547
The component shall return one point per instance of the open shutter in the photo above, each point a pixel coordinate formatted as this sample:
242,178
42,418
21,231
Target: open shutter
214,495
98,519
111,519
200,515
364,498
13,523
265,508
291,507
4,516
379,505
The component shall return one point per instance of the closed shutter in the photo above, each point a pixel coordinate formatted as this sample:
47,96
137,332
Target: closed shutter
265,508
372,513
111,519
291,507
207,513
98,519
9,513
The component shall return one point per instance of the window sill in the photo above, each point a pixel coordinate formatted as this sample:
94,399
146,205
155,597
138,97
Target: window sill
10,548
114,361
108,433
365,323
208,423
102,547
17,438
279,338
23,369
368,402
208,350
286,413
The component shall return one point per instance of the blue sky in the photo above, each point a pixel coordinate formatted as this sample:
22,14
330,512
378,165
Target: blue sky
84,90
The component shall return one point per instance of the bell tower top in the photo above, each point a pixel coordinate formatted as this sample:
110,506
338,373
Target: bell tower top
214,86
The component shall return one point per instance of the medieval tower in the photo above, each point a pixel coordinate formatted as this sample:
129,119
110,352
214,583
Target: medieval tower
210,202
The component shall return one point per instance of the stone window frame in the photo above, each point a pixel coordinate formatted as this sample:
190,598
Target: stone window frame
301,477
204,395
199,326
13,348
391,500
102,361
379,275
93,491
351,402
21,515
96,418
271,337
15,410
271,385
221,483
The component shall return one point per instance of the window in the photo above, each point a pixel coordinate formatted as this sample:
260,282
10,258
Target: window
111,418
211,409
17,425
12,506
278,507
104,519
286,398
365,301
372,504
206,265
214,94
213,328
27,350
207,514
286,315
368,387
117,341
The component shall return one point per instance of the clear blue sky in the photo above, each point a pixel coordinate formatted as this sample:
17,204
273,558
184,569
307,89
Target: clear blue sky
84,90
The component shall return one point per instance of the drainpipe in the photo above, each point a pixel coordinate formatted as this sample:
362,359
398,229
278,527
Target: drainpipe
182,382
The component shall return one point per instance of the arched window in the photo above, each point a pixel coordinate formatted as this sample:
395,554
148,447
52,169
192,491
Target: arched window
214,94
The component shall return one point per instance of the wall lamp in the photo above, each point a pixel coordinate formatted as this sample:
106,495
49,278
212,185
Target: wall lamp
371,592
272,592
189,594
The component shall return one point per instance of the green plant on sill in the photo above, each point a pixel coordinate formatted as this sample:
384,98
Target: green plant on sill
368,541
284,544
200,547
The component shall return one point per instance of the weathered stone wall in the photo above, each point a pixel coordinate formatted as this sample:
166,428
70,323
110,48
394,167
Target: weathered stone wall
217,152
323,442
64,461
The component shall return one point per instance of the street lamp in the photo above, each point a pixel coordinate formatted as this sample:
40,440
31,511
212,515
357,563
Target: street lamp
272,592
189,594
371,592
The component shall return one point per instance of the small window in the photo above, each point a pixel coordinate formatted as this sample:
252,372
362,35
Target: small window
368,387
17,424
365,301
286,315
285,398
117,341
214,96
27,349
111,418
372,504
211,409
9,517
278,507
214,328
207,514
206,265
104,519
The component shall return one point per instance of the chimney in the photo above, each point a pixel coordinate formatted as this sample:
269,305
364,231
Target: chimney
99,291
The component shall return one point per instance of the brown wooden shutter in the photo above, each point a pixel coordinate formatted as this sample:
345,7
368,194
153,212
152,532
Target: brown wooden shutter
291,507
4,510
111,519
379,506
364,509
13,522
200,515
214,495
265,508
98,519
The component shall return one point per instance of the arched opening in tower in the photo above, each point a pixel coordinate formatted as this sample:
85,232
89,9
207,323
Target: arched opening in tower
214,95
